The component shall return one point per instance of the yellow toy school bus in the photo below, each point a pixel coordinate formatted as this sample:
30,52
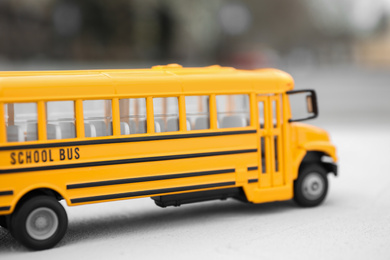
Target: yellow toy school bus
177,135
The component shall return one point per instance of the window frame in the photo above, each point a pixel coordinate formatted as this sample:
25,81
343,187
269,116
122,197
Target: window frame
208,111
115,115
118,119
251,115
81,112
179,111
41,133
47,120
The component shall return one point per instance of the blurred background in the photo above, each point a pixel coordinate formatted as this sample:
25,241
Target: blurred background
244,34
341,48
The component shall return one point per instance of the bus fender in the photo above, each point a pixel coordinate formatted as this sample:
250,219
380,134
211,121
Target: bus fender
319,156
36,190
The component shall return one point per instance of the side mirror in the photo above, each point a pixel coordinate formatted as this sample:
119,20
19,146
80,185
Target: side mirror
309,103
298,98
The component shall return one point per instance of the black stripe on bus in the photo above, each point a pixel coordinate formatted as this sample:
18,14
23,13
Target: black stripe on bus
5,208
7,192
125,140
150,192
125,161
146,179
253,180
253,168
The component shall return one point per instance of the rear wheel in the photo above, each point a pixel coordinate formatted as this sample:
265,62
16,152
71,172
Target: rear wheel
311,187
39,223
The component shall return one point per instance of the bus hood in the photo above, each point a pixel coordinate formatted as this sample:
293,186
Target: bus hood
312,138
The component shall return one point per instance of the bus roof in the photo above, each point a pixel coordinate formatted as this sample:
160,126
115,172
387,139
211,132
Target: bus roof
168,80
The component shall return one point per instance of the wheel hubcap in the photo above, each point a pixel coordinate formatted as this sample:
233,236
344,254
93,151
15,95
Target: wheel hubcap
313,186
42,223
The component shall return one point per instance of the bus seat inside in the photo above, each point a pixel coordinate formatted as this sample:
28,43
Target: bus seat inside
234,121
125,128
157,127
161,122
53,132
32,132
90,130
202,123
133,127
101,128
68,130
141,126
173,125
15,134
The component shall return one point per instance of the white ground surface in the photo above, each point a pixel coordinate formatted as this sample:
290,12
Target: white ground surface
352,223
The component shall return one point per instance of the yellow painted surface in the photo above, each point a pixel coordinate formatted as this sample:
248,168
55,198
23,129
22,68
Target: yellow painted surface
121,164
309,138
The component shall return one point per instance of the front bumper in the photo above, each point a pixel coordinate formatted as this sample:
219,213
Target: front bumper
331,168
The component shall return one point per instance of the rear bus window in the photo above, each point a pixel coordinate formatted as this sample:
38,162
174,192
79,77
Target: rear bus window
60,120
21,120
132,115
197,112
97,118
166,114
233,111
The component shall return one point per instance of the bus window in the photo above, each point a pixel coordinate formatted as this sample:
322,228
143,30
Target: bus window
60,120
276,138
261,114
22,122
233,111
97,118
274,115
277,112
166,114
133,115
197,112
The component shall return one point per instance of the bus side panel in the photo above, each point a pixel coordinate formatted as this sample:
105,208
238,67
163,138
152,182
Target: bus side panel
131,169
13,186
257,195
166,165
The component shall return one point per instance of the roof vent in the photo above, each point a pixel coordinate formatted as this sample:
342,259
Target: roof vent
169,66
214,67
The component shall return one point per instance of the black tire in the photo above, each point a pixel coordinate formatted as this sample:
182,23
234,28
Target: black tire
4,221
39,223
311,187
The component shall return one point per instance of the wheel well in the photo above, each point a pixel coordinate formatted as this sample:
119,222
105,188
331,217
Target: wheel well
39,192
313,156
321,158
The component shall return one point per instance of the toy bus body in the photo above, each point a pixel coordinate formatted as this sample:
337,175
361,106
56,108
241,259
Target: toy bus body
248,149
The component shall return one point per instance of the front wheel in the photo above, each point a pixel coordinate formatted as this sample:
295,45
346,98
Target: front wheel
39,223
311,187
4,221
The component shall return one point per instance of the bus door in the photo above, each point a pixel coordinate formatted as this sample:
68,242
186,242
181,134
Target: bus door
270,139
